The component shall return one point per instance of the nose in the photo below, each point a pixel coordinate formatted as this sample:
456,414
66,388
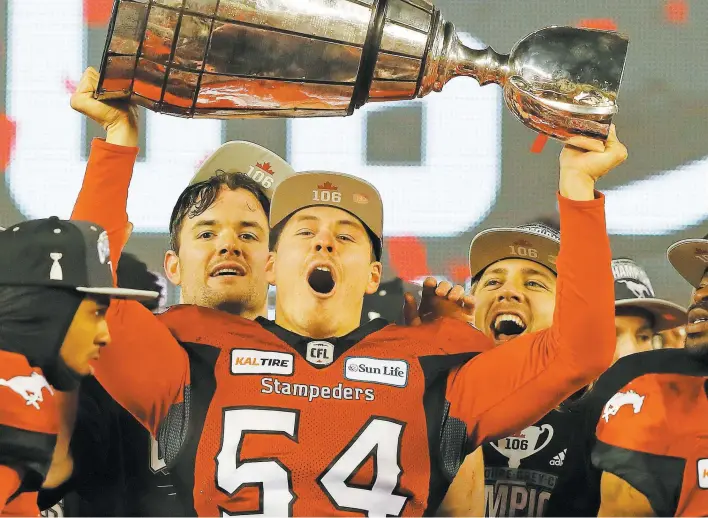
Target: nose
229,244
508,292
324,241
103,335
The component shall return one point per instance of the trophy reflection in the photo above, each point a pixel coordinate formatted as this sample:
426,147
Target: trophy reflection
314,58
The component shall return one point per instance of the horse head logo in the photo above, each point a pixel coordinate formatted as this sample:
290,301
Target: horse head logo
29,387
640,290
621,399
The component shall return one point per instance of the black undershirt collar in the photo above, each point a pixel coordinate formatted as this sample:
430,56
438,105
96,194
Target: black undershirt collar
341,344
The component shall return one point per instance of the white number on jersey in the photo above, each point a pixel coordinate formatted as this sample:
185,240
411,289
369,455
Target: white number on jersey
379,437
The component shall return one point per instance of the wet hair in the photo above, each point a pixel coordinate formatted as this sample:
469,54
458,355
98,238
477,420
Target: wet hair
197,198
132,273
276,231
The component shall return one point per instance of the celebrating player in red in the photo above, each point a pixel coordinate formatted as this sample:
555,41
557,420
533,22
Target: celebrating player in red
313,414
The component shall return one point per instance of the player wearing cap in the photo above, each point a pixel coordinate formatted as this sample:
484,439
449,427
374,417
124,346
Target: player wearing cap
55,285
109,446
218,248
512,295
313,414
639,315
514,278
641,449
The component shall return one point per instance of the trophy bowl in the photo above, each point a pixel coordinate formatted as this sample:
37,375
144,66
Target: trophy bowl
315,58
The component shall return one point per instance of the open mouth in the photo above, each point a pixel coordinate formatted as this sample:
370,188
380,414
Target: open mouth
506,326
321,280
228,270
697,321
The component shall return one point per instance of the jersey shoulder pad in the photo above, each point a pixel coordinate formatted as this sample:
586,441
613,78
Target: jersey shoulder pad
29,419
189,323
634,418
26,399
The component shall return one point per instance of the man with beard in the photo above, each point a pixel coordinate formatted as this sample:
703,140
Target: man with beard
315,415
217,255
642,448
514,285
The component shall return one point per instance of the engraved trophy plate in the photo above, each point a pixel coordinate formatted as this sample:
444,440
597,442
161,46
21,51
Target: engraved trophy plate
314,58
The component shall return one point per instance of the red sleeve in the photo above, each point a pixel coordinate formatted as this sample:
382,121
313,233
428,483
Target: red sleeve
9,483
512,386
104,193
144,368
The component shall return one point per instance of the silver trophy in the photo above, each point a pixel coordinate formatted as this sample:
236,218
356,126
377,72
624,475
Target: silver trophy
314,58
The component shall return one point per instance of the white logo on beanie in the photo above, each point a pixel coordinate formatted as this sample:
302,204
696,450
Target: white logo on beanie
640,290
56,273
104,250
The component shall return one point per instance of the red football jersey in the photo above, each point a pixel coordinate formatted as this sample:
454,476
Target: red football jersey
251,418
654,434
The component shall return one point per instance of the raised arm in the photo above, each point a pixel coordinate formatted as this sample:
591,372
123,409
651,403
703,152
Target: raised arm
503,390
104,193
144,368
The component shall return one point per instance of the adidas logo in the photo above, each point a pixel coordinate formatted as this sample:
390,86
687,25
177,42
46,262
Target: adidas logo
558,459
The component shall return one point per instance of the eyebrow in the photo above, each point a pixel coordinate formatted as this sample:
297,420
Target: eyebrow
213,223
540,273
343,222
525,271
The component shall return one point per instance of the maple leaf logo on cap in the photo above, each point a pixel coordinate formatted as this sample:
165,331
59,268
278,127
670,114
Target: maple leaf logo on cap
265,167
522,242
327,186
701,251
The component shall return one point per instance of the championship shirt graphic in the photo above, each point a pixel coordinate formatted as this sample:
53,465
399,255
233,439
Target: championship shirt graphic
521,470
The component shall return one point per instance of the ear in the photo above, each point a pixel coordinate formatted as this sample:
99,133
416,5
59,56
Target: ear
270,268
375,272
171,266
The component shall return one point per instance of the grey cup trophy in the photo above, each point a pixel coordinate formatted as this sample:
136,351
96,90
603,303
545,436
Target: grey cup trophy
313,58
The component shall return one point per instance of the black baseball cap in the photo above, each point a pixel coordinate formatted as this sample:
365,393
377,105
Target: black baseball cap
61,254
633,289
690,259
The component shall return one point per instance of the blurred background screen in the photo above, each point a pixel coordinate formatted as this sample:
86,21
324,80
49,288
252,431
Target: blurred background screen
447,166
